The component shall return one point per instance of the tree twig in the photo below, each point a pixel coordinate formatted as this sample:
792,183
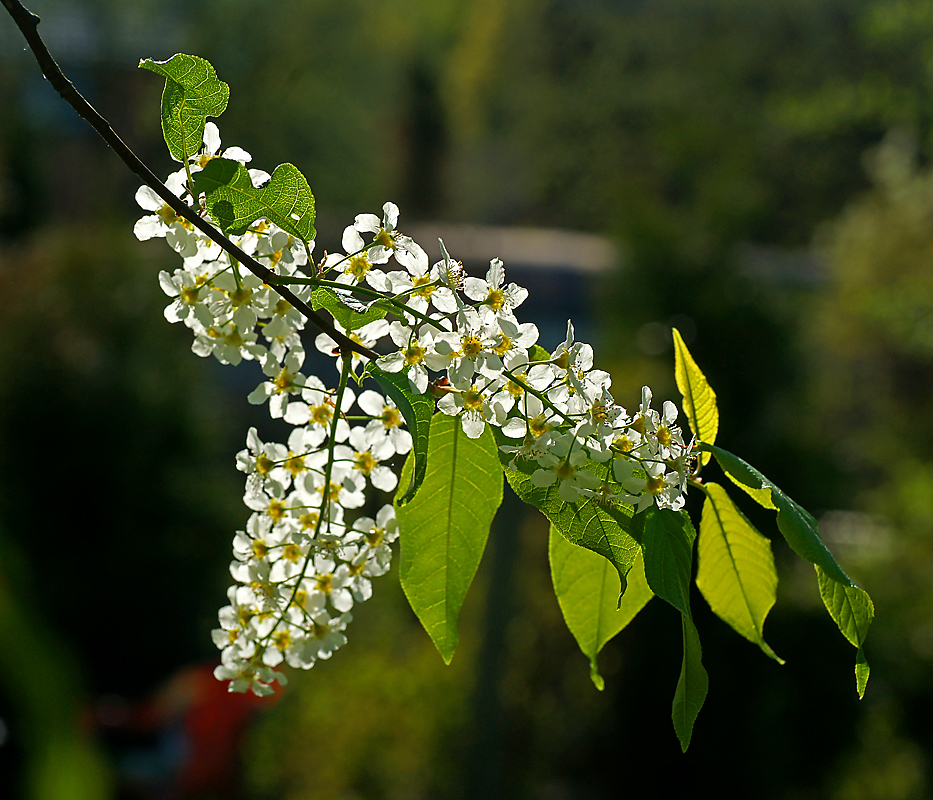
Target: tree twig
28,24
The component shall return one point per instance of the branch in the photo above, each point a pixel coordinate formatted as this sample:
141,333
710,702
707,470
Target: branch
28,24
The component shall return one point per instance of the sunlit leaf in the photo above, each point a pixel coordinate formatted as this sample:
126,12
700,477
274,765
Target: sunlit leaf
443,530
192,93
699,398
608,529
692,685
348,318
735,570
849,606
587,587
862,671
235,204
417,409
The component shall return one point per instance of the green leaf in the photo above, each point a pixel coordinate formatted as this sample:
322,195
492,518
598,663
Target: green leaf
744,475
668,545
192,93
604,528
587,587
796,525
417,409
736,571
349,319
443,530
699,398
235,204
862,671
538,353
850,607
692,685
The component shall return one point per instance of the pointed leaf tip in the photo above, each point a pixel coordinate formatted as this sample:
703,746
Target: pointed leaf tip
862,671
587,588
692,686
736,572
444,528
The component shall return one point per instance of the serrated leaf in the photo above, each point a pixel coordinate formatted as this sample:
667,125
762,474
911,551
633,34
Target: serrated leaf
692,686
668,546
736,571
348,318
587,587
850,607
862,671
417,409
192,93
699,399
443,530
235,204
605,528
797,526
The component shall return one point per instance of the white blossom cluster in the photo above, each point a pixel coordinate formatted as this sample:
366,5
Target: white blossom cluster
307,554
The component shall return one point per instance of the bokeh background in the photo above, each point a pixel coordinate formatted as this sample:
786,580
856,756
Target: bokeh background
761,168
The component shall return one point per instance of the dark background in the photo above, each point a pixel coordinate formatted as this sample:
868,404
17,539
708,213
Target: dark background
763,170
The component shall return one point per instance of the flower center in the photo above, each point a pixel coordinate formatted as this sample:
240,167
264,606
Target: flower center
473,399
414,354
471,346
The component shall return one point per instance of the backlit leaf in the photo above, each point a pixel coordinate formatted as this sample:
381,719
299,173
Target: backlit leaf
587,587
192,93
735,570
234,203
608,529
862,671
699,399
348,318
444,528
849,606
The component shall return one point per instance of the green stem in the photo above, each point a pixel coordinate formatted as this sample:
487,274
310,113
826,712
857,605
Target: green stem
345,370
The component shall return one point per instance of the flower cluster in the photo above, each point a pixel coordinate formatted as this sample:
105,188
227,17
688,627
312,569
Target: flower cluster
308,552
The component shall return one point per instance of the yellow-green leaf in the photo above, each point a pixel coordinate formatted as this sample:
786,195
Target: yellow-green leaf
862,671
736,571
699,398
850,607
587,587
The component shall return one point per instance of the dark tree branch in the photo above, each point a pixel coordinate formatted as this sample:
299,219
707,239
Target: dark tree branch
28,23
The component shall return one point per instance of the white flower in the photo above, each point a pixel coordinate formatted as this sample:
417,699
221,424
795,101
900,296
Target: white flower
492,293
387,241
